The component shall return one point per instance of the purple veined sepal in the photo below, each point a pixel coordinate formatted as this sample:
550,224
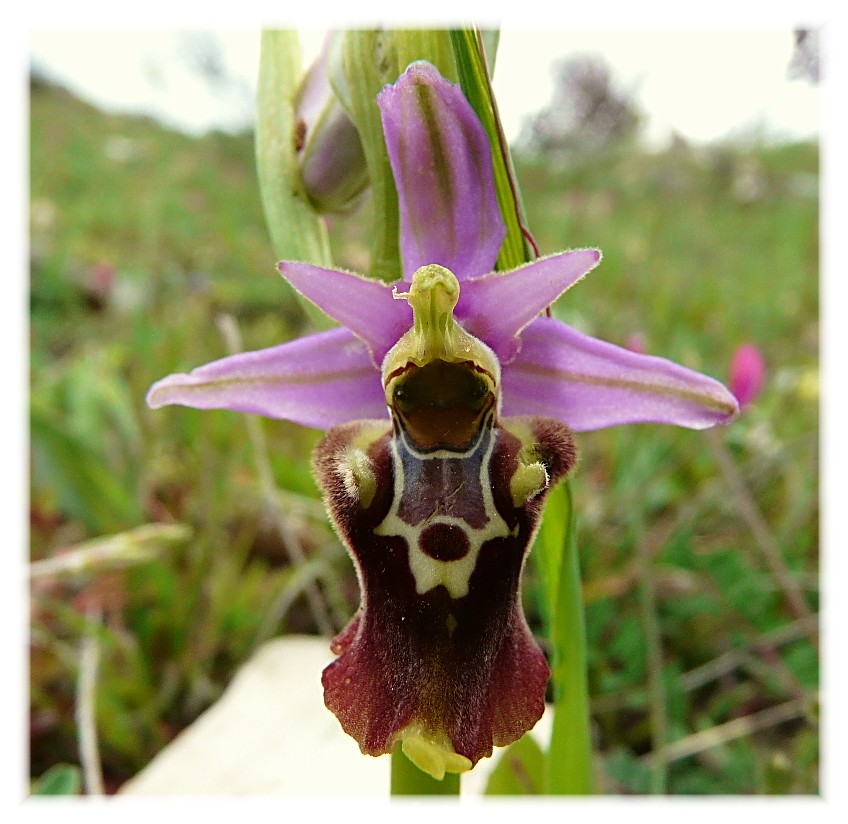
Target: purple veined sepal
439,658
498,306
442,166
593,384
318,381
363,305
326,379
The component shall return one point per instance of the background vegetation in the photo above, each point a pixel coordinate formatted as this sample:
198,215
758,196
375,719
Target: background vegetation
703,647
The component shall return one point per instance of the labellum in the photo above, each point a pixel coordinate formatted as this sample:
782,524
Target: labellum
438,509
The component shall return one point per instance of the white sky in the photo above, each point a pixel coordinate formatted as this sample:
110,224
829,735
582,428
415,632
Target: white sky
705,83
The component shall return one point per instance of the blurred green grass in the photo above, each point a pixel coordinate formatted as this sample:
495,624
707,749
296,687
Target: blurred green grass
142,237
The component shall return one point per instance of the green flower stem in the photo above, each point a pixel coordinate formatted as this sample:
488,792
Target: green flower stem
366,80
653,640
297,231
569,769
407,779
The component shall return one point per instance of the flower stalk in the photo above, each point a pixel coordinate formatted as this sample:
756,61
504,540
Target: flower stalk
297,230
409,779
568,763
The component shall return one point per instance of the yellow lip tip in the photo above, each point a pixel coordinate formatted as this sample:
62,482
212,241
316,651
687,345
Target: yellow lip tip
432,757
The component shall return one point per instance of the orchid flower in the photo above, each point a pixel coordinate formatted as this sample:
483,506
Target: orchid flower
450,400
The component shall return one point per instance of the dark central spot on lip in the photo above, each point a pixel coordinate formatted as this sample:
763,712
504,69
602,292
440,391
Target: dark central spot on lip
444,542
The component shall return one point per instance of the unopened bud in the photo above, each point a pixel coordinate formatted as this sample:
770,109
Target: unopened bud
332,163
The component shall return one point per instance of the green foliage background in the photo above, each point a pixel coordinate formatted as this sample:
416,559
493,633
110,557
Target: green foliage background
142,237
